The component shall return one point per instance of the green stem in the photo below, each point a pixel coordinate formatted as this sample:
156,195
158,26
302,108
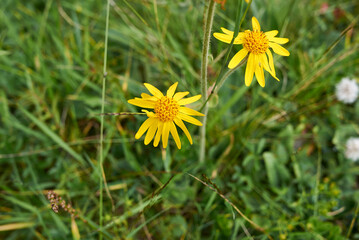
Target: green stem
226,75
204,84
102,116
319,169
353,221
238,24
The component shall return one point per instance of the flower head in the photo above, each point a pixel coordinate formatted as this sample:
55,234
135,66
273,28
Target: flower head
256,45
347,90
352,149
168,112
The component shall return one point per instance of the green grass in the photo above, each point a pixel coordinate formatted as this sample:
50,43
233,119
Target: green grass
263,146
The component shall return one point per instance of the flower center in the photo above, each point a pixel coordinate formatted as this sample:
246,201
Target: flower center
255,42
166,109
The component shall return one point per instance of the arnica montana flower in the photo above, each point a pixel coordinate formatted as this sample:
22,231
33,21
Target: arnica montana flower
168,111
256,44
347,91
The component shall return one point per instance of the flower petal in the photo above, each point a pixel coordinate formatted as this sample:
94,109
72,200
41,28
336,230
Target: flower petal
159,133
180,123
152,99
146,96
151,131
279,40
149,114
155,92
264,61
189,100
260,75
228,38
223,37
255,24
251,65
226,31
270,58
165,133
278,49
190,111
141,103
189,119
172,90
145,125
180,95
174,133
237,58
270,35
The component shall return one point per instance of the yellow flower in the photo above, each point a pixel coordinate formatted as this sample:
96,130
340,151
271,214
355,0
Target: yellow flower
168,111
256,44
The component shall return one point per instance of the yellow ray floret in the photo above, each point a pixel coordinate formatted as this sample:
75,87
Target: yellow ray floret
256,46
168,112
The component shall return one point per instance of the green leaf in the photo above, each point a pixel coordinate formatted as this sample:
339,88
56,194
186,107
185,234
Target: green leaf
270,162
53,135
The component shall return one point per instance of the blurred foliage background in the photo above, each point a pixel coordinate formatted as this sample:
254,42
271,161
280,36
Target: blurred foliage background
277,153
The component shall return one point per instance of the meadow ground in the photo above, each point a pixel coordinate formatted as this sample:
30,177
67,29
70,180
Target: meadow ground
276,164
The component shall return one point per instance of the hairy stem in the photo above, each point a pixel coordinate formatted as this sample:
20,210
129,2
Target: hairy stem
226,60
204,83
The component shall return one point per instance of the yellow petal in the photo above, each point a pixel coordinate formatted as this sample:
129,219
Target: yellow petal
270,35
270,58
142,103
145,125
223,37
189,100
152,99
180,123
151,131
172,90
149,114
159,133
279,40
255,24
165,133
226,31
189,119
180,95
189,111
146,96
278,49
228,38
174,133
251,64
260,76
237,58
155,92
264,61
